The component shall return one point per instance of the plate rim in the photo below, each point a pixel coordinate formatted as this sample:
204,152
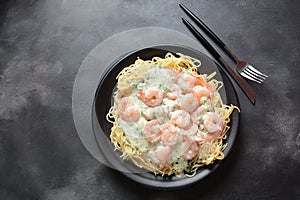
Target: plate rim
166,184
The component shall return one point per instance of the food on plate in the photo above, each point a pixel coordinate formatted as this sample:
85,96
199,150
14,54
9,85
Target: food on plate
167,118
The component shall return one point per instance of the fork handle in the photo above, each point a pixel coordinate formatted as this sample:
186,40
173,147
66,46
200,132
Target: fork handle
209,32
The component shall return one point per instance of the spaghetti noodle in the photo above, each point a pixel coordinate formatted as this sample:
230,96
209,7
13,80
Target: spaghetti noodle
167,118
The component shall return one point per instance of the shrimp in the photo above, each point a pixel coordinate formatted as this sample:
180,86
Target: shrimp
189,102
149,114
195,116
214,124
200,91
193,134
200,80
169,134
205,84
190,150
128,111
152,131
160,155
187,82
180,118
152,97
188,134
174,92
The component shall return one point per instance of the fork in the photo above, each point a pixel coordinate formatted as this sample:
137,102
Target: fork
244,68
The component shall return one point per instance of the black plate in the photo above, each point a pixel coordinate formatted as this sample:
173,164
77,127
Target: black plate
104,100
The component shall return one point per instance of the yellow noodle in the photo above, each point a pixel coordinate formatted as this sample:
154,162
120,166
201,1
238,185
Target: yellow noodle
208,151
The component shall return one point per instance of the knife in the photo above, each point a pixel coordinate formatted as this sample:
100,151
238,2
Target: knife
240,81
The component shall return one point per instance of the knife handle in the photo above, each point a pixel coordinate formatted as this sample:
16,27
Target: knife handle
202,39
203,26
209,32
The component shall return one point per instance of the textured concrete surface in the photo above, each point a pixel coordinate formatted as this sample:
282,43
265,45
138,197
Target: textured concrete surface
42,44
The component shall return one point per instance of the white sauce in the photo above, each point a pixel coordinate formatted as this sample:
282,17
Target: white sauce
163,79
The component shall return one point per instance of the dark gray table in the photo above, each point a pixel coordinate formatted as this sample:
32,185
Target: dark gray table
42,45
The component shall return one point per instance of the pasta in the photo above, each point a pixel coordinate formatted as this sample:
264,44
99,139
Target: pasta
167,118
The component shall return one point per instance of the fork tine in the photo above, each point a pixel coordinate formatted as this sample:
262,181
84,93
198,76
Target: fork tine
253,75
256,71
249,77
250,72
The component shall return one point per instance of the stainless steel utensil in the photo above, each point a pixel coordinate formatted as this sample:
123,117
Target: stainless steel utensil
244,68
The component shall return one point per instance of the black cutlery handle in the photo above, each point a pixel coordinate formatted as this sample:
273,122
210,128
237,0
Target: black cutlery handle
204,42
203,26
209,32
